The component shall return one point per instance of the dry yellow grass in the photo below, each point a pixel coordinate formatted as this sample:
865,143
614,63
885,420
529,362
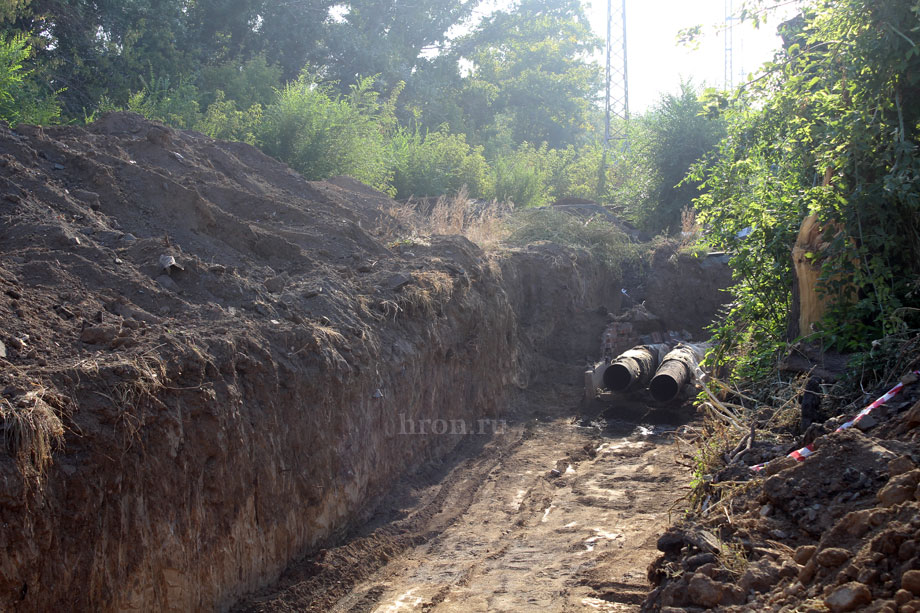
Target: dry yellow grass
431,290
30,430
482,223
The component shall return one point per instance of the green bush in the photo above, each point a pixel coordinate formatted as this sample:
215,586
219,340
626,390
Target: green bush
573,173
437,163
160,100
520,177
247,84
829,129
321,134
223,120
665,143
21,98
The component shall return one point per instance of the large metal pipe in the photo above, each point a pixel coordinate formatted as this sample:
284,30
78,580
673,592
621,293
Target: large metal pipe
675,372
632,369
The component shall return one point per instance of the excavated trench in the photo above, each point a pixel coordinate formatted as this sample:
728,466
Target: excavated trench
298,399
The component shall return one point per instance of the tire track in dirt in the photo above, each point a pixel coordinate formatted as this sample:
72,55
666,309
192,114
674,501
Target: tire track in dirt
497,530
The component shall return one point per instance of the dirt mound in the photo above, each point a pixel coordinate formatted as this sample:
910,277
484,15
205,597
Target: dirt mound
210,364
839,531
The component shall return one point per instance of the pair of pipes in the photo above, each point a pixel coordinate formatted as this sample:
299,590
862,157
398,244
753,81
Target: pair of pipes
664,372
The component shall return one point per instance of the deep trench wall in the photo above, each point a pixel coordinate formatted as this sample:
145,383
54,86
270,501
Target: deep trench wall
684,291
244,456
562,300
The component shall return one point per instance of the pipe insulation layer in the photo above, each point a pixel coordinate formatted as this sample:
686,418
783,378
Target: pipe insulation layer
676,370
632,369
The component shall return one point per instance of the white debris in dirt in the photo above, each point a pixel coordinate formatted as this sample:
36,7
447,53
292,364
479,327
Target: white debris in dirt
403,602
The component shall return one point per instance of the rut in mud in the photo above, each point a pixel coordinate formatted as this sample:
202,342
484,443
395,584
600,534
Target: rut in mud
559,512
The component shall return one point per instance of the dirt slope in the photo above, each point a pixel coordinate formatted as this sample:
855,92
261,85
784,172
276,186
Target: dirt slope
207,361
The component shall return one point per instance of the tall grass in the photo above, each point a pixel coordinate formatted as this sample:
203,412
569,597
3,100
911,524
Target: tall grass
484,223
604,240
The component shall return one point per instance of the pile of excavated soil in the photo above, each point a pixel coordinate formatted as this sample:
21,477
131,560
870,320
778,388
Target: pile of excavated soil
209,362
839,531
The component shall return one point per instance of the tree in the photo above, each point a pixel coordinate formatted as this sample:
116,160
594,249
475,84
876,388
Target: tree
668,140
11,9
90,49
830,128
531,65
389,37
293,35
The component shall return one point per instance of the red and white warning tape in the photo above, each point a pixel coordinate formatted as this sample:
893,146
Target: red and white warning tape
807,450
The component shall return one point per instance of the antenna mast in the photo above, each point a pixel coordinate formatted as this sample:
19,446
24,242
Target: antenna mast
617,102
729,79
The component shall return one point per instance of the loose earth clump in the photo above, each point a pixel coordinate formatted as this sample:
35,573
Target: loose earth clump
839,531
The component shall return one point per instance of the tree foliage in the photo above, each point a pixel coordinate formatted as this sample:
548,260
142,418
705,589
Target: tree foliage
829,129
21,98
531,66
666,142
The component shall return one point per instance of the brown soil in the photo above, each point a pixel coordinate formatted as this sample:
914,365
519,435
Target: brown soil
209,422
837,532
207,364
556,513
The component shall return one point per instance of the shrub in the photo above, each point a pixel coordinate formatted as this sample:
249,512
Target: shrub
321,134
252,82
437,163
21,99
520,177
160,100
223,120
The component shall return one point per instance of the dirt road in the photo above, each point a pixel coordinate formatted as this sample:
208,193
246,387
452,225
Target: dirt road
494,528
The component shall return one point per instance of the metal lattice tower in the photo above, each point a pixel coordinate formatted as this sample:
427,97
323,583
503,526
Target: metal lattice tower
729,76
617,104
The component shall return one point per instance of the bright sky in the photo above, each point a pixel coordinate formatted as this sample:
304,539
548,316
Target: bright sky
656,62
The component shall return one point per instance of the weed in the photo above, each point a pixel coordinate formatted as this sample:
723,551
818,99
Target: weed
733,558
482,223
602,238
29,430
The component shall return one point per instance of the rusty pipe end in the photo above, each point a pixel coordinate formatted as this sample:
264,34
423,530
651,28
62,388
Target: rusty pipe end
664,388
618,377
668,381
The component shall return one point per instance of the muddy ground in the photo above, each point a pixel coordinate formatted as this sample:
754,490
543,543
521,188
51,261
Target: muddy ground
561,511
207,366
